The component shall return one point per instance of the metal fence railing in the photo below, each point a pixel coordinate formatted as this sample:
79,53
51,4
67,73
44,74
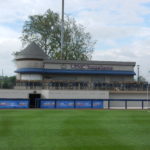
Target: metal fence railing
80,85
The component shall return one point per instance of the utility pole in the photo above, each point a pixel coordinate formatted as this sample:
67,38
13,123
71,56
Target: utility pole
62,30
138,70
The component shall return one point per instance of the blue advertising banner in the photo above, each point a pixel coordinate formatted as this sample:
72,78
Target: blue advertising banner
47,104
65,104
14,103
98,104
83,104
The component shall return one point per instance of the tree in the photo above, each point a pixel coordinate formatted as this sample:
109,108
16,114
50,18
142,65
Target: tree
45,30
7,82
142,79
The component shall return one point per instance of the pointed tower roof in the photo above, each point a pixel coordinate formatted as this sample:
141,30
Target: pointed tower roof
32,51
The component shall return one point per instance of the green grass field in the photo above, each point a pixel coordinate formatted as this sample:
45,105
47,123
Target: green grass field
74,130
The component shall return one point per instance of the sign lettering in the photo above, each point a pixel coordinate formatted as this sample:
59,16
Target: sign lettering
90,67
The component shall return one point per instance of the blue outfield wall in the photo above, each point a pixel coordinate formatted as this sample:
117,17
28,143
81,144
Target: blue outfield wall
70,104
83,104
98,104
47,103
65,103
14,103
52,103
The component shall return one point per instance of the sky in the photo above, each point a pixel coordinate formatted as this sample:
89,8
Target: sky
120,27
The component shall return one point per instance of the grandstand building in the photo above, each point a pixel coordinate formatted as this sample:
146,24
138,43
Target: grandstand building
36,71
45,83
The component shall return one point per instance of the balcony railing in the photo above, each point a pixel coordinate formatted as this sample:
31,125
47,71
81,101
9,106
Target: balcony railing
80,85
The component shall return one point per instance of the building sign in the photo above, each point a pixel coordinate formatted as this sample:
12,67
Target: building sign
83,104
90,67
65,104
98,104
47,104
14,103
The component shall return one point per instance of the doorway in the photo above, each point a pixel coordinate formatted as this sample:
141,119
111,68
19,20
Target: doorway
33,100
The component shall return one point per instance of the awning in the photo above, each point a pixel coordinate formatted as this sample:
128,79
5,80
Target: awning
67,71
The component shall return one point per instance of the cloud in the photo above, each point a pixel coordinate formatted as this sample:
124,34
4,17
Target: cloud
111,23
6,32
9,42
13,10
7,47
138,52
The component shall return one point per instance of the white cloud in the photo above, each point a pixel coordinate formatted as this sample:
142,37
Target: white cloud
138,52
107,21
6,32
7,47
9,43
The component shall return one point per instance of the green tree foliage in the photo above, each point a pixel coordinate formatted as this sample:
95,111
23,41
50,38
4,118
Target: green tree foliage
142,79
45,30
7,82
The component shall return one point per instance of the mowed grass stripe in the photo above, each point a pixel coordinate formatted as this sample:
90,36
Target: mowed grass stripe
74,130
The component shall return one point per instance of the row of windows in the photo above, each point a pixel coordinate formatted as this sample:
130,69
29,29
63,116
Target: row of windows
86,85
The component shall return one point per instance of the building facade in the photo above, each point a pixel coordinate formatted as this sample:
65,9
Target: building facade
45,83
35,70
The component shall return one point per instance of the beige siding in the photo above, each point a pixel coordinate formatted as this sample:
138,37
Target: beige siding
29,64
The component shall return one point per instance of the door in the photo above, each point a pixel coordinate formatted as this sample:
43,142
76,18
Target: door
33,100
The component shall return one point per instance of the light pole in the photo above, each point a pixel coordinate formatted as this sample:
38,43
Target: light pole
138,68
62,30
147,94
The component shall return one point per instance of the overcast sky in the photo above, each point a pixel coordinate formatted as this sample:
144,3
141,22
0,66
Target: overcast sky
121,28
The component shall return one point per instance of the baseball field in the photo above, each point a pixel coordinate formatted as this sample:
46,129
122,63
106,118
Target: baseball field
74,129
